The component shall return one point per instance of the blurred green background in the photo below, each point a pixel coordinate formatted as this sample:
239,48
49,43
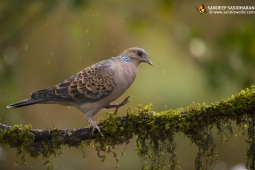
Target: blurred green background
197,58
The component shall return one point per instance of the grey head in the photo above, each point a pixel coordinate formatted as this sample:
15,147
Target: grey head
136,55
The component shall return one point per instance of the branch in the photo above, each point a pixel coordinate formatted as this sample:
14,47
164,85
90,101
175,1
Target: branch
70,137
155,132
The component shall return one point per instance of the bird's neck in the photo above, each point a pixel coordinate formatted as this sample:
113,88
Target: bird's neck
125,59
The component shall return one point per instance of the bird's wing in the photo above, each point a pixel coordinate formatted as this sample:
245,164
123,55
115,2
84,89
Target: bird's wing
89,85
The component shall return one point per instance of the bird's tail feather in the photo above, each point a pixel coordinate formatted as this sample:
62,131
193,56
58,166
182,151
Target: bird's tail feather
26,102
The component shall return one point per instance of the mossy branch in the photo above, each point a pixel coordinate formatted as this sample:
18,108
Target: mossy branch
155,132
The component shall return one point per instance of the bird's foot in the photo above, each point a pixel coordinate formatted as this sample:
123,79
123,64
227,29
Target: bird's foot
125,101
95,127
116,106
98,128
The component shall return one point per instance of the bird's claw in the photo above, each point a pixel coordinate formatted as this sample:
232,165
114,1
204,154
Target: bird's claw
98,128
95,127
125,101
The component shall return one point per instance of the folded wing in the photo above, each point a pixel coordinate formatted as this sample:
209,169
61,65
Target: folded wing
89,85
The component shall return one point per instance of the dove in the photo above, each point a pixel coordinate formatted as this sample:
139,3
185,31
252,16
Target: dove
94,87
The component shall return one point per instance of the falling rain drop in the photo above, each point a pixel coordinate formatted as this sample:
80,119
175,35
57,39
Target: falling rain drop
80,58
84,14
57,70
47,24
51,54
87,31
88,43
78,22
26,47
48,62
174,4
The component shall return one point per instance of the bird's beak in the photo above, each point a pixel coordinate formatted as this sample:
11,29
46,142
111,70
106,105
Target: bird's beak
148,61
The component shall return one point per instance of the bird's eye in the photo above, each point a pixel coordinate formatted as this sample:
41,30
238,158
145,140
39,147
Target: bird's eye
139,53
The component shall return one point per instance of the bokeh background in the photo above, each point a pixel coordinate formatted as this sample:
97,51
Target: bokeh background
197,58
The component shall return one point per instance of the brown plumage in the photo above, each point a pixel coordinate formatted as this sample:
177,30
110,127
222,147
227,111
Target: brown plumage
95,87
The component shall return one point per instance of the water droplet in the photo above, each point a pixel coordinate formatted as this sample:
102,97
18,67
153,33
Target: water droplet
47,24
68,107
26,47
71,42
87,31
174,4
48,62
57,70
88,43
163,71
51,54
104,38
80,58
84,14
93,15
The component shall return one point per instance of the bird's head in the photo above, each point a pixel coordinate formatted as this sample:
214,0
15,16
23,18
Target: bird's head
137,55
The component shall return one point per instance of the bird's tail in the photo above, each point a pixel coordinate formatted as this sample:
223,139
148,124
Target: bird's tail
26,102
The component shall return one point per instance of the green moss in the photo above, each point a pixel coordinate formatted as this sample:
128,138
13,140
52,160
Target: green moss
155,132
23,139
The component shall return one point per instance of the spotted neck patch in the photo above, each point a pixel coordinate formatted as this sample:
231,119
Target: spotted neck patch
125,59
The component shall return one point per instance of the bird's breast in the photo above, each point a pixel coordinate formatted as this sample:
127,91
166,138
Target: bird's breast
125,76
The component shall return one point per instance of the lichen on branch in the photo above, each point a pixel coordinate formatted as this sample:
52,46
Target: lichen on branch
155,133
